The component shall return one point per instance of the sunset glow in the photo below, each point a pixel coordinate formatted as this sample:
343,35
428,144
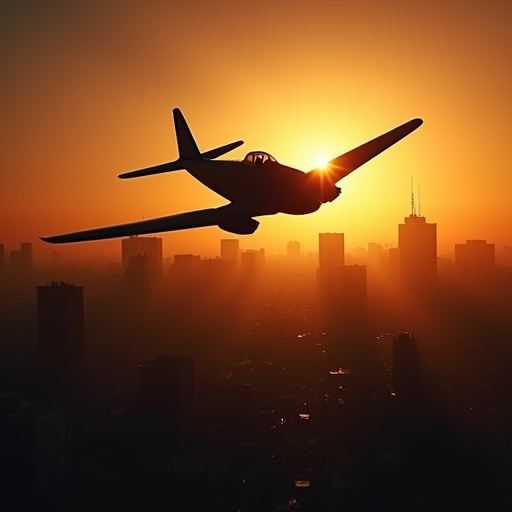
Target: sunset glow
104,98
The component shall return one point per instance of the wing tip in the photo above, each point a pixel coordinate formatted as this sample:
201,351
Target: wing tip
48,239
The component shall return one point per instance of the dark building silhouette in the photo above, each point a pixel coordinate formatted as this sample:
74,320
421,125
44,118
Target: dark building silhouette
32,451
230,249
149,246
252,263
167,392
1,256
60,327
249,262
417,247
138,281
406,366
293,252
184,272
21,261
475,257
331,253
375,254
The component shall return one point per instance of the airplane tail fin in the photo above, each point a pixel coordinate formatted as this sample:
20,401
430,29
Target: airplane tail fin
187,147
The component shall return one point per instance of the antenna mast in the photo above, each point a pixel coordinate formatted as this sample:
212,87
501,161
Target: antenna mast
413,207
419,201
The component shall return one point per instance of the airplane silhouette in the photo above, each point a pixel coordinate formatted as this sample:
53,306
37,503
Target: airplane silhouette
256,186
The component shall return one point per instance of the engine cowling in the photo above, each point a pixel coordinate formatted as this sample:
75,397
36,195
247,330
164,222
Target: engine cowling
323,185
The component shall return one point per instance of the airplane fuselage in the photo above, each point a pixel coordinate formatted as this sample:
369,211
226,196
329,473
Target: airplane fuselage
261,189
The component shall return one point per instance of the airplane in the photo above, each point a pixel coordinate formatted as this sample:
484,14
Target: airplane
256,186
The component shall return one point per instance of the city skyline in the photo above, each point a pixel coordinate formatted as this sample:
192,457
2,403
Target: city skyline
64,253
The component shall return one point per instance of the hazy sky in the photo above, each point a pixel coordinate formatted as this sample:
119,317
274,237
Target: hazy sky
88,87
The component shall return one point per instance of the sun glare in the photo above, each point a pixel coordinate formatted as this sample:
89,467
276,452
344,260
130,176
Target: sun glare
321,162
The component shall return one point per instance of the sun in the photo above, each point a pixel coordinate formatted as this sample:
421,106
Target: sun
322,162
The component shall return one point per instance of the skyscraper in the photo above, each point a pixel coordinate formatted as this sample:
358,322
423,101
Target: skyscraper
406,366
32,450
417,248
21,260
229,249
60,326
331,253
293,251
137,280
150,246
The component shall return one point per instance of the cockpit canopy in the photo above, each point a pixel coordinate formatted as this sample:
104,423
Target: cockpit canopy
259,158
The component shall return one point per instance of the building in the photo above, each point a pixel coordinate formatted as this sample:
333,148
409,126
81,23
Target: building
137,280
166,387
250,264
293,252
149,246
21,261
32,451
331,253
406,366
61,336
229,249
417,250
475,257
184,271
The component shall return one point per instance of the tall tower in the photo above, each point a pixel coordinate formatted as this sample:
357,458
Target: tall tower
417,248
229,249
137,281
60,326
149,246
406,366
331,253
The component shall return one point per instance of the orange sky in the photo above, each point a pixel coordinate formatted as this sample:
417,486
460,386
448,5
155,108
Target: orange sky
87,91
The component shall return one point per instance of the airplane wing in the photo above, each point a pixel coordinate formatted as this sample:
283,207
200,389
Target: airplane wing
222,217
343,165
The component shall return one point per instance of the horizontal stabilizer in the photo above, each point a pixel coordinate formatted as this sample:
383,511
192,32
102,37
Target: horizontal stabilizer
343,165
177,165
222,150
